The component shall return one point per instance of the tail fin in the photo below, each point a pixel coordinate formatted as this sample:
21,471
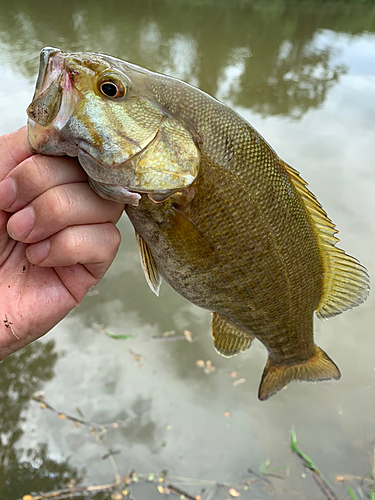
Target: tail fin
319,367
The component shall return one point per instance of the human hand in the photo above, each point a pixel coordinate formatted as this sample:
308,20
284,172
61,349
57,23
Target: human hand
57,239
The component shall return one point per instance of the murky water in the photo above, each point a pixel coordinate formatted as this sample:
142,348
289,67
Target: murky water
304,75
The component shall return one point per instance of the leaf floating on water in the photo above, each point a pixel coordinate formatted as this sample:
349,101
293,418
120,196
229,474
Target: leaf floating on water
188,336
239,381
227,414
118,337
160,489
207,366
234,493
27,497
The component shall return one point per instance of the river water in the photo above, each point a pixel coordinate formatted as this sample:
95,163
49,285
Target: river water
303,74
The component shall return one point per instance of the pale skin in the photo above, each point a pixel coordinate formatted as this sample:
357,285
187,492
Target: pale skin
57,240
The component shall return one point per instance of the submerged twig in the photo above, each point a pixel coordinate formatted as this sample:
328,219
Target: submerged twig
80,421
260,476
180,492
69,492
121,487
309,464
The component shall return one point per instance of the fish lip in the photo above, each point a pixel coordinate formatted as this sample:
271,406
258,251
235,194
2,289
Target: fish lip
44,57
53,78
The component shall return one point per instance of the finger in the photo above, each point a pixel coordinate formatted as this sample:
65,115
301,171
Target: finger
60,207
6,243
36,175
95,246
14,148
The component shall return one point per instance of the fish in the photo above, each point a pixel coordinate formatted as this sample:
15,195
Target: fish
216,213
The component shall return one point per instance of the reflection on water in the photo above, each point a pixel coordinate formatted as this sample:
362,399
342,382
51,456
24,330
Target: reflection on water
22,469
263,56
303,73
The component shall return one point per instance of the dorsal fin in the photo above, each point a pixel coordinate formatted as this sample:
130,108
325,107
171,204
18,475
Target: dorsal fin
229,339
148,264
346,283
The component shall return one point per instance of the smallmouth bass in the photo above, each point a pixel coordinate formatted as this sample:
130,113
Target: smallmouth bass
217,214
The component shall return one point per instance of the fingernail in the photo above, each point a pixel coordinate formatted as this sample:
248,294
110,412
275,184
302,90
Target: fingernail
21,223
38,252
8,193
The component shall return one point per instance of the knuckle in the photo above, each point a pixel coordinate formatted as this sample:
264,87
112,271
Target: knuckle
36,172
71,244
109,239
60,203
116,237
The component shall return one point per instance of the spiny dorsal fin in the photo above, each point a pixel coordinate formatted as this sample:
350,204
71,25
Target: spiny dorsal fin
319,367
346,283
229,339
148,264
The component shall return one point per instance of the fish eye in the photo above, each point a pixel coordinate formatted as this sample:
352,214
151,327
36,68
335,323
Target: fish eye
112,88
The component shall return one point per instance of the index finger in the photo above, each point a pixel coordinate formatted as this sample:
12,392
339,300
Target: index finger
14,148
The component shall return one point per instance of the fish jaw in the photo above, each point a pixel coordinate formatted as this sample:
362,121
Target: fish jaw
55,101
114,192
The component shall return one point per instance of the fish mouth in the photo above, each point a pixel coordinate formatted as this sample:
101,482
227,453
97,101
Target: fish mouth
47,98
54,102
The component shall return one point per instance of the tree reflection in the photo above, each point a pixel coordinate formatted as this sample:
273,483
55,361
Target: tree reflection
24,470
262,56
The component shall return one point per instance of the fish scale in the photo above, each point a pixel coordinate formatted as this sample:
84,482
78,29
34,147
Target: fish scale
217,214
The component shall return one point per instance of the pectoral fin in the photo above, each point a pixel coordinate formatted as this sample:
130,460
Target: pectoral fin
186,236
319,367
148,264
229,339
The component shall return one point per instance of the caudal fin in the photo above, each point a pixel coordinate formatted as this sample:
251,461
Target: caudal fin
275,377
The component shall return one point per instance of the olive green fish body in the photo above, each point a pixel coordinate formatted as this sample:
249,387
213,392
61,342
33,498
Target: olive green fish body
260,274
217,214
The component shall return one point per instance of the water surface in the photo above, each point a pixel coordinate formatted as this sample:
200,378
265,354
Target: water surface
304,75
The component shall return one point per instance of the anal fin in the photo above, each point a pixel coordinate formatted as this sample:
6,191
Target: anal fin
229,339
148,264
318,367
